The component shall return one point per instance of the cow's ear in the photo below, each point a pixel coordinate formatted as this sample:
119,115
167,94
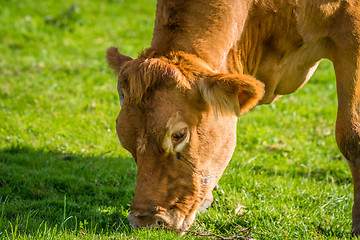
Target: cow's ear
234,93
115,59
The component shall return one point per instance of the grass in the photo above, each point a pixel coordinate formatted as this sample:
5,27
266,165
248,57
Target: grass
63,174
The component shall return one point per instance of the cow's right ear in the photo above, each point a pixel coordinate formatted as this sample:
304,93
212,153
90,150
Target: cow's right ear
116,60
232,93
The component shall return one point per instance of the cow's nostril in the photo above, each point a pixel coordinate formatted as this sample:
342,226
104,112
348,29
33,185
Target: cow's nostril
160,223
140,221
137,221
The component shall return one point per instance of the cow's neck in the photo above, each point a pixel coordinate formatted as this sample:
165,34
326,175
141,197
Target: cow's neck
207,29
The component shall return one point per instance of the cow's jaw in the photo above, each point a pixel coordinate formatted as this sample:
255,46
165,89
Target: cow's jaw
176,219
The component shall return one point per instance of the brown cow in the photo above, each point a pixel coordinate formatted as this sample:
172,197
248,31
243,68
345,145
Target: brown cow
213,60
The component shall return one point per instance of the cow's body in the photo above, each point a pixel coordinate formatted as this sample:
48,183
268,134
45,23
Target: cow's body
276,42
279,42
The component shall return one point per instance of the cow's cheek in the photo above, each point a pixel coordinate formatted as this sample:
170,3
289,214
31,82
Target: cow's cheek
127,129
216,153
182,186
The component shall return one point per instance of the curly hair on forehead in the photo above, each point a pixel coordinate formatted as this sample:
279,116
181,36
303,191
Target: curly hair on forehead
148,72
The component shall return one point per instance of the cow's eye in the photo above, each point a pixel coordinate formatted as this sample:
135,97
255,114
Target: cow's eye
121,94
121,98
178,136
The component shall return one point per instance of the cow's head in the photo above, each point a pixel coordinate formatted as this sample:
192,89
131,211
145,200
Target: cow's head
178,120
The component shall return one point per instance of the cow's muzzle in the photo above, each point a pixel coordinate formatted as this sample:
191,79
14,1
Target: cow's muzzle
172,220
139,221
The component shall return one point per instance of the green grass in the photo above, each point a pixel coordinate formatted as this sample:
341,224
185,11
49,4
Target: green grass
63,174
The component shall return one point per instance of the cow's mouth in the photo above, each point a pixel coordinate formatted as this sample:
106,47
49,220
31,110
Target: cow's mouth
138,221
173,220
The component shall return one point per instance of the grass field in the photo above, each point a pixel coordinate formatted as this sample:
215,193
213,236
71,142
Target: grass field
63,174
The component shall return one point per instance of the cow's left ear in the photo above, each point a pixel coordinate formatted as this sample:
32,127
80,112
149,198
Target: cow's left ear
229,92
116,60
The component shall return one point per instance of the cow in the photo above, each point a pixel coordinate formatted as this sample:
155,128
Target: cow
211,61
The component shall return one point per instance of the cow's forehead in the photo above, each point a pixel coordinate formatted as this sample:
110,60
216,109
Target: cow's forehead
162,107
160,110
141,77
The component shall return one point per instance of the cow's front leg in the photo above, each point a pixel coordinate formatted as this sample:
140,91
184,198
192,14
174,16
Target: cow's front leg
346,59
348,140
208,200
355,171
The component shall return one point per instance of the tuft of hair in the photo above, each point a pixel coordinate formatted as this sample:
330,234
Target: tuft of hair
140,76
152,70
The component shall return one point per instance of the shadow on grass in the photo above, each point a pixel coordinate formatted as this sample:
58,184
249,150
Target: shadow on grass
42,189
73,191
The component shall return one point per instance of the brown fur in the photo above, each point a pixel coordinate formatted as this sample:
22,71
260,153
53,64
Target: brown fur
211,58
